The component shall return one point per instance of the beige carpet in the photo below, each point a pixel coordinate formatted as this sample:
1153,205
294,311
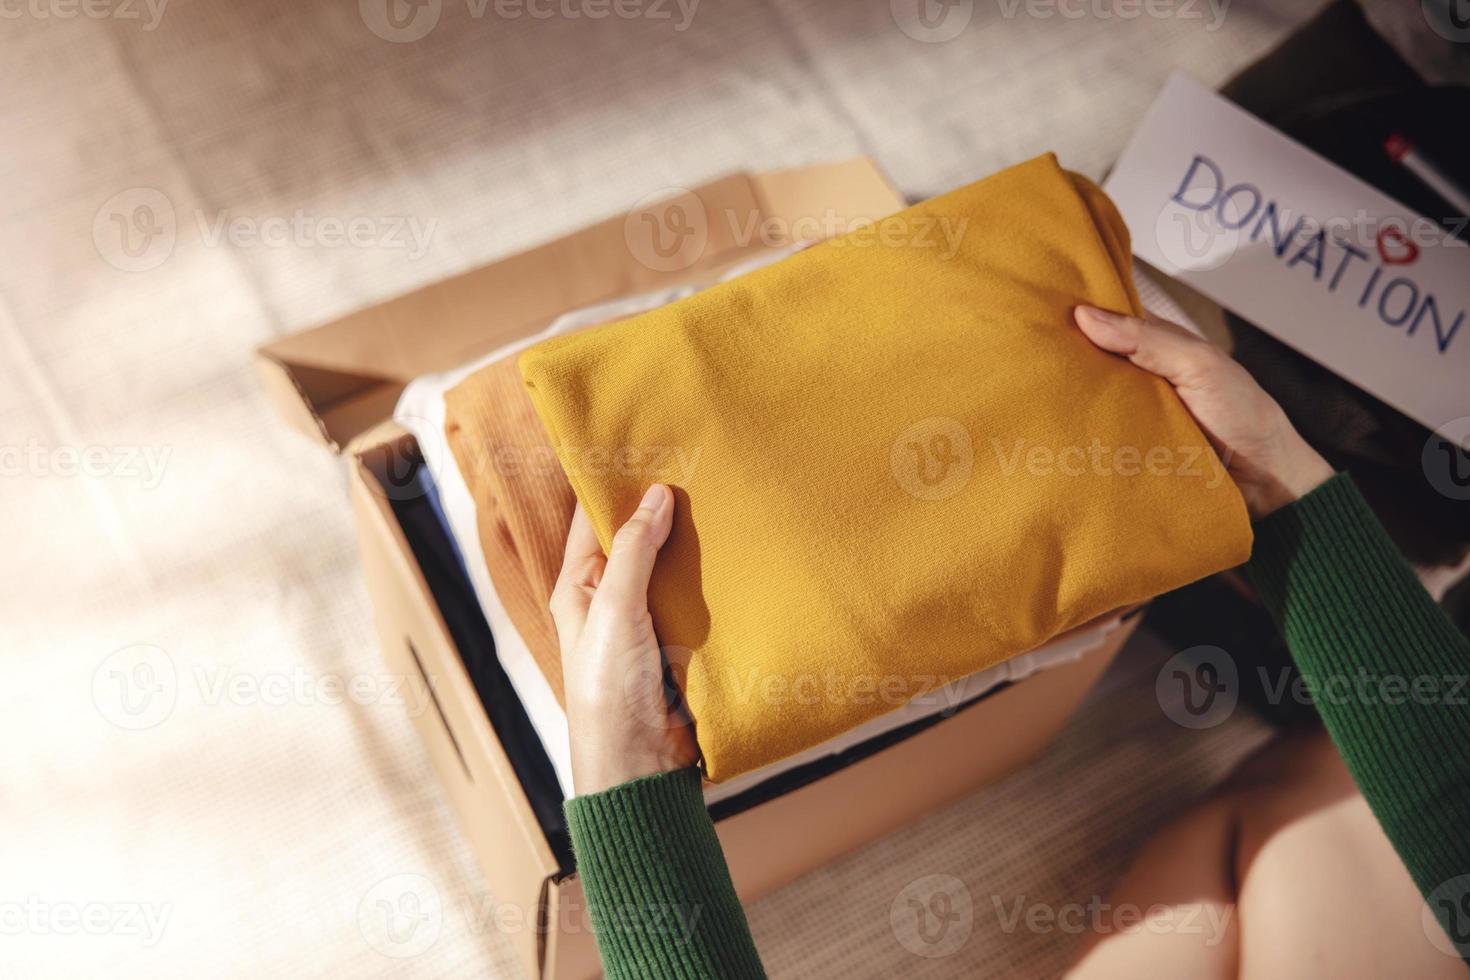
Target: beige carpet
185,790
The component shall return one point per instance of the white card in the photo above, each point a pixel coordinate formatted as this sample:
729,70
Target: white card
1304,250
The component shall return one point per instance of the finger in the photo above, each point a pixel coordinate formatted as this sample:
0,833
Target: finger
582,544
581,570
1156,345
624,586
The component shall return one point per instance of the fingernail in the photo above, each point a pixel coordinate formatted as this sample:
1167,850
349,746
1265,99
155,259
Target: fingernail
1122,327
1098,314
654,498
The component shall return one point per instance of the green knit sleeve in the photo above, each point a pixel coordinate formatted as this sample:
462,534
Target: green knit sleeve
1390,674
657,886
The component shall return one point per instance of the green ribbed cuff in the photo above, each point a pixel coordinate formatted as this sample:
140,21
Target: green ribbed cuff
657,886
1389,671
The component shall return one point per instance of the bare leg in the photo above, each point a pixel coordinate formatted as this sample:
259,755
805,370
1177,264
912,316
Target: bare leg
1286,873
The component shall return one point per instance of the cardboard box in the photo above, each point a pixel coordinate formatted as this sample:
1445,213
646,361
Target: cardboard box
338,384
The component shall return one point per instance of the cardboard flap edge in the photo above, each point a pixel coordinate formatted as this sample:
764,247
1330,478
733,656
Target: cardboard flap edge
340,379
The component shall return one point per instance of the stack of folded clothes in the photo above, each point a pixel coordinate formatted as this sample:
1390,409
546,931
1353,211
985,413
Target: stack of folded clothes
500,446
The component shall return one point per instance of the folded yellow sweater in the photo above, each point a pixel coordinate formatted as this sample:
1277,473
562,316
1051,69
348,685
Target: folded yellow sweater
896,460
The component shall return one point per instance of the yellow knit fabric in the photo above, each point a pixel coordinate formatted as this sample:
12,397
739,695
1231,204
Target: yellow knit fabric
894,463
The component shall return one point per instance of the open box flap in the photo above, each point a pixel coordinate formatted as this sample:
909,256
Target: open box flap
336,381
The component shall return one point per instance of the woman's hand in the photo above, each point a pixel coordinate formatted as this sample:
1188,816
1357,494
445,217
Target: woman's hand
1269,461
618,703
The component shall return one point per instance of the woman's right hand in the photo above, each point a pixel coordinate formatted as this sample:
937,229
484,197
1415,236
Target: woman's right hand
619,715
1266,457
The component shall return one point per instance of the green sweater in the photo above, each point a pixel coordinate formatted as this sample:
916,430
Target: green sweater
660,894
